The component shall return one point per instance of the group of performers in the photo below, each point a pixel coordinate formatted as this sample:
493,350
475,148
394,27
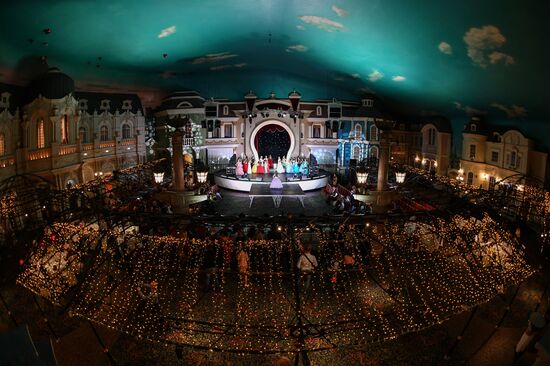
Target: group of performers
266,165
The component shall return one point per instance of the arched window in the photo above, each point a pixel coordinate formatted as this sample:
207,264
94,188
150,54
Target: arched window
83,135
373,133
125,131
2,144
373,153
225,110
64,129
319,110
357,152
104,133
431,136
358,131
40,140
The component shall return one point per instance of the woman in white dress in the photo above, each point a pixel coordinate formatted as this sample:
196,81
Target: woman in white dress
280,167
266,166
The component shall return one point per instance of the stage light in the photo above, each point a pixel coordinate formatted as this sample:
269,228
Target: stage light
159,177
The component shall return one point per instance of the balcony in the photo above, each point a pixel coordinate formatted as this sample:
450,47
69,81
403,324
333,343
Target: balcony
7,161
65,150
106,144
39,154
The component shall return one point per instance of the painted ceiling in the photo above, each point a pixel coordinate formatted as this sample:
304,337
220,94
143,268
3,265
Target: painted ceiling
451,57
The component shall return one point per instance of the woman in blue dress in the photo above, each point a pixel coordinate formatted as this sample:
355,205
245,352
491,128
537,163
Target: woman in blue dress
289,166
295,167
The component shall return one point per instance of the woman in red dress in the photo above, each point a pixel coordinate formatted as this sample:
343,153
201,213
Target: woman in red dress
270,163
245,166
260,169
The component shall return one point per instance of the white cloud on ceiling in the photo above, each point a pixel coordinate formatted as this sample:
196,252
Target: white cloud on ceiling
297,48
469,110
212,57
223,67
513,111
481,44
168,31
300,27
356,76
445,48
398,78
339,11
322,23
375,75
497,56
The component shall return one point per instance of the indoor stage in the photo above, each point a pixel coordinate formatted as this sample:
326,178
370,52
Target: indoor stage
243,184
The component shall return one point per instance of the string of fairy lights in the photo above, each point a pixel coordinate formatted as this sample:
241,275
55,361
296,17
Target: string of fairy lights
405,276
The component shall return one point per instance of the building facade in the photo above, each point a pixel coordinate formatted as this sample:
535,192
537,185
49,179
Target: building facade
491,155
338,133
50,130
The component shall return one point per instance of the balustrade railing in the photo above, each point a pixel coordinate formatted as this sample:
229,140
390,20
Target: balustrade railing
65,150
5,162
39,154
105,144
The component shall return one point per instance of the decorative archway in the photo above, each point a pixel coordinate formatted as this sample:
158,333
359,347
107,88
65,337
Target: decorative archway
267,123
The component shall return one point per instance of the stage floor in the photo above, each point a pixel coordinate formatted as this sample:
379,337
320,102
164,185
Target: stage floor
244,184
235,203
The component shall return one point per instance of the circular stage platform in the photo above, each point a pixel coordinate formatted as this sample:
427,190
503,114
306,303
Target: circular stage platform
307,183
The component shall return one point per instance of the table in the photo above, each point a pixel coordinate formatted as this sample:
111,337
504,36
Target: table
263,190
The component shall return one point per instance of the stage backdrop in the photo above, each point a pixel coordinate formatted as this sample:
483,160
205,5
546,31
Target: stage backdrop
272,140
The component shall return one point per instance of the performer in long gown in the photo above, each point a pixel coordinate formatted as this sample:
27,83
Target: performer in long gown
260,169
276,182
266,166
254,167
295,167
270,162
245,166
249,166
304,169
289,166
280,167
239,169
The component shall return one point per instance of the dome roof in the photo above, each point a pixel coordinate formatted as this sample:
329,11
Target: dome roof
52,85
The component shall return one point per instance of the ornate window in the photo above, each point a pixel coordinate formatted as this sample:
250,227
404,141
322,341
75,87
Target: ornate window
40,139
83,135
472,151
126,131
356,152
316,131
431,136
228,130
470,180
373,133
373,152
358,131
104,133
319,110
225,110
2,144
64,129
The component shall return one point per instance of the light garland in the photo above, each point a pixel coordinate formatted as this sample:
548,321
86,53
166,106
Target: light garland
392,289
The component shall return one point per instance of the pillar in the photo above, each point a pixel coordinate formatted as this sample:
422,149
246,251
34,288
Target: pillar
383,159
177,161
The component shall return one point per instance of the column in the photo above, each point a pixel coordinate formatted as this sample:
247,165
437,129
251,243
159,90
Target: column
383,159
177,161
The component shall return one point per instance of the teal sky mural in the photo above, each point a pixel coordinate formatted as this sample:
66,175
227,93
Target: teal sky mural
451,57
